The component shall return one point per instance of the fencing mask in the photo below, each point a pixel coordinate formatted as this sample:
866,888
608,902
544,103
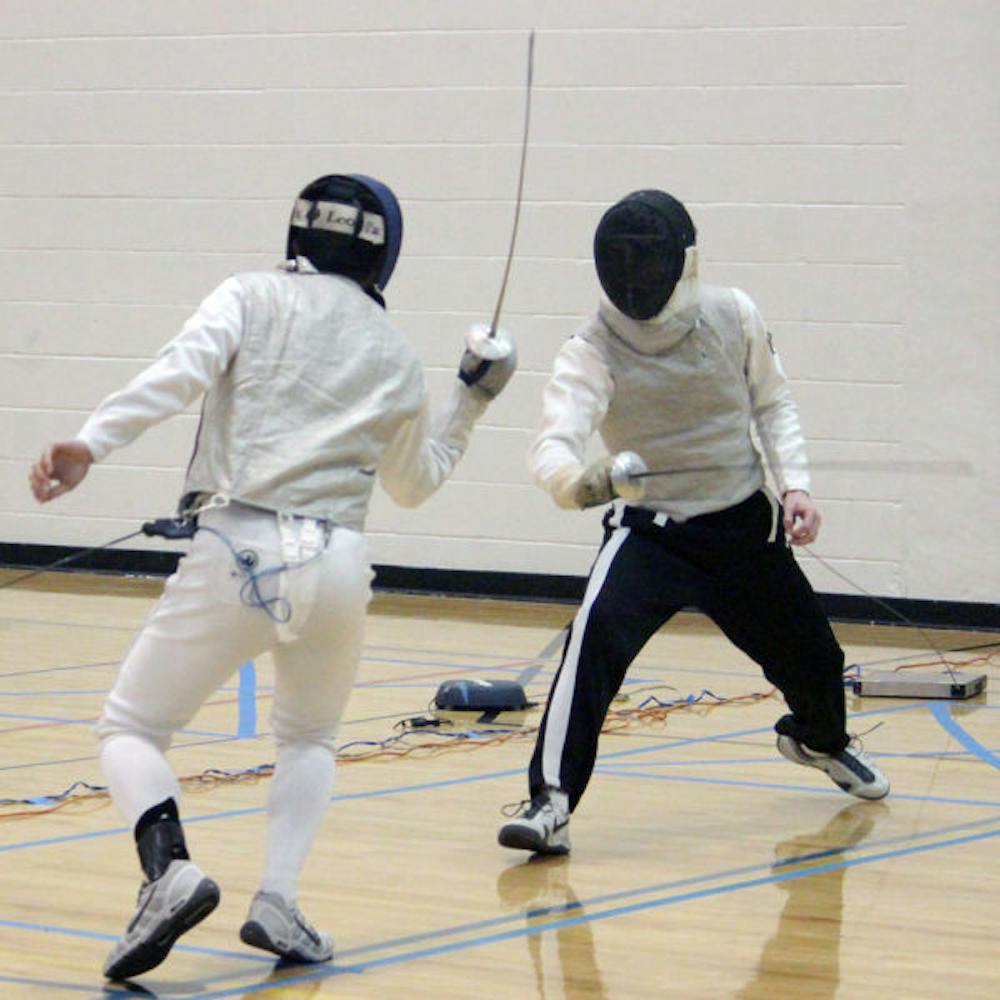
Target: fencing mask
639,250
348,224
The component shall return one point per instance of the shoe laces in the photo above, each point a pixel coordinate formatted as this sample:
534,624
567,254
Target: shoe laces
857,751
512,809
529,808
145,889
855,743
305,926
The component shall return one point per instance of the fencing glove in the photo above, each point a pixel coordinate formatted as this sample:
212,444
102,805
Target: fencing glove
610,477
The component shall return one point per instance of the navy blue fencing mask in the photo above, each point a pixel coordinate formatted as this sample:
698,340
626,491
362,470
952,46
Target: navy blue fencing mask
348,224
639,249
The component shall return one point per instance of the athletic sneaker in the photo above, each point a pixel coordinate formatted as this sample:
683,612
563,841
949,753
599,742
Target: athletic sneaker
172,904
277,926
543,828
851,768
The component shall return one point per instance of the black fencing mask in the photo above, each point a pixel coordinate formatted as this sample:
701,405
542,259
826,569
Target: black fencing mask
639,251
348,224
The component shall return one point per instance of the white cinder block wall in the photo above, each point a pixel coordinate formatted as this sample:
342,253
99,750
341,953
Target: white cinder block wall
839,158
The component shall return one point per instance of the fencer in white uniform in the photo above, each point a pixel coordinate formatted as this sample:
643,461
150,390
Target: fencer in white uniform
310,393
675,376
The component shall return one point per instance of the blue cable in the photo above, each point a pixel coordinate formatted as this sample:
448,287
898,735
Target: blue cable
278,609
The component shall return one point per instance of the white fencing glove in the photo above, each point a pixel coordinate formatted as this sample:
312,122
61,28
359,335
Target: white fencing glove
488,362
610,477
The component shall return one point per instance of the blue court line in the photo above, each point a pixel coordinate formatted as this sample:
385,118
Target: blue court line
448,782
587,918
624,765
674,899
62,623
76,932
778,787
426,786
665,886
23,717
65,987
546,672
723,737
557,910
71,666
53,694
211,741
920,652
960,755
246,727
456,664
941,711
102,691
716,761
254,810
394,685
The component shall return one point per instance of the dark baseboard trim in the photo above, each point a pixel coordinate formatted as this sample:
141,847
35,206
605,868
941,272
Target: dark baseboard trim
510,586
131,562
569,589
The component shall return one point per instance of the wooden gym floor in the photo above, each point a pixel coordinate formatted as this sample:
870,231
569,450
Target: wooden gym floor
703,864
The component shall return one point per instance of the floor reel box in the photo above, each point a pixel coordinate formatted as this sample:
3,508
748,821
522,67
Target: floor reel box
945,684
481,696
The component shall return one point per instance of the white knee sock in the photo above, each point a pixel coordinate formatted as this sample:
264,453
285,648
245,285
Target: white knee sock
296,803
137,774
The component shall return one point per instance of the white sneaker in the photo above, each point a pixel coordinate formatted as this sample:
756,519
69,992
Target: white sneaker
180,898
544,827
275,925
851,768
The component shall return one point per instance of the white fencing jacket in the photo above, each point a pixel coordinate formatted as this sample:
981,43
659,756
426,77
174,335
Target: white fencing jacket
309,392
683,391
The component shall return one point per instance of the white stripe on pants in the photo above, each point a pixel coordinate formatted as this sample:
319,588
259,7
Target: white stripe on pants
561,699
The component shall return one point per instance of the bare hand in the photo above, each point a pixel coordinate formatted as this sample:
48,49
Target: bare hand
61,468
802,519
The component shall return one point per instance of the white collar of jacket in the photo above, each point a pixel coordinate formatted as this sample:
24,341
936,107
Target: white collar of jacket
298,265
671,324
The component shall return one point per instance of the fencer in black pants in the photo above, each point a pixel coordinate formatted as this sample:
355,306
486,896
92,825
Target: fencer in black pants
735,566
675,376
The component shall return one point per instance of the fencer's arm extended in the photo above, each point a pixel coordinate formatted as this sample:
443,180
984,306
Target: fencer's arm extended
427,448
184,369
574,403
774,411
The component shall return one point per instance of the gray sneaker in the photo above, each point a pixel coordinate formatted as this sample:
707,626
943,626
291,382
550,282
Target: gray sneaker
180,898
276,926
544,827
850,769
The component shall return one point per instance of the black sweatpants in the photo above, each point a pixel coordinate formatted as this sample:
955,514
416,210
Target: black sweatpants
734,565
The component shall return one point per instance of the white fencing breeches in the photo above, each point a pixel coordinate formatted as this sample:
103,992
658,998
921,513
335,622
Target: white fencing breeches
203,629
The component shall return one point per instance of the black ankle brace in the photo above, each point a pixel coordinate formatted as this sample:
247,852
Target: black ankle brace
159,839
